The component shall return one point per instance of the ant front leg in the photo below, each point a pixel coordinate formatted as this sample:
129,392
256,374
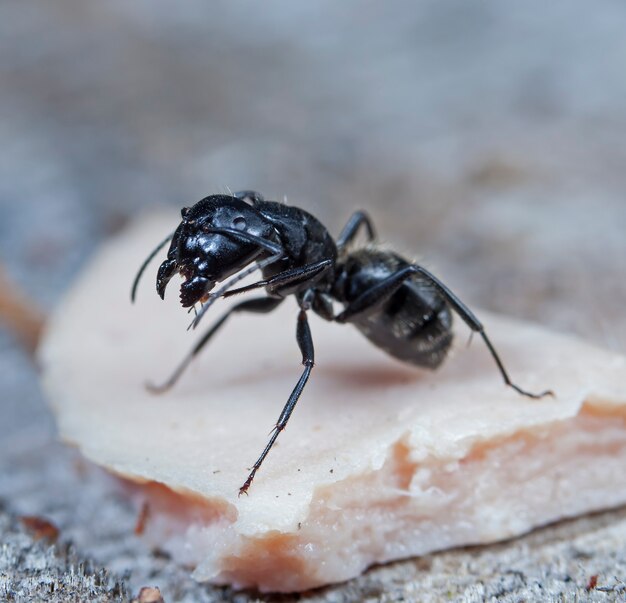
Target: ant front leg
305,343
288,282
277,253
373,298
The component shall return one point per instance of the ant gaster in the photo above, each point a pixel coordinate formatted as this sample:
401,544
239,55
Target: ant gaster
399,306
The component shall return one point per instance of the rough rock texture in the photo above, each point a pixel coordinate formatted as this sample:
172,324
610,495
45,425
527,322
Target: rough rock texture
33,569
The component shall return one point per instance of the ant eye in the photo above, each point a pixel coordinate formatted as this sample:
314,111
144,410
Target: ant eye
239,223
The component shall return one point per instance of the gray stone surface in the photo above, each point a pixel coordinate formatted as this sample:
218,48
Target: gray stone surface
487,138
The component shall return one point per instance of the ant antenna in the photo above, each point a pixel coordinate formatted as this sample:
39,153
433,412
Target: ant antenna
142,269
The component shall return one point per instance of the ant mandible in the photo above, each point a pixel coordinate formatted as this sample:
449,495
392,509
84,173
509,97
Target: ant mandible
399,306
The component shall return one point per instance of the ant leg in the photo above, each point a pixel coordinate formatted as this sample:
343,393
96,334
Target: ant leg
475,325
305,343
286,283
260,305
352,227
142,269
277,253
373,298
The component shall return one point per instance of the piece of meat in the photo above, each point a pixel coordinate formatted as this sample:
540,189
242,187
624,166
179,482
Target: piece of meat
380,461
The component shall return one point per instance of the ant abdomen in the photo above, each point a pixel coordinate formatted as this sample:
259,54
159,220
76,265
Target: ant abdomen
413,324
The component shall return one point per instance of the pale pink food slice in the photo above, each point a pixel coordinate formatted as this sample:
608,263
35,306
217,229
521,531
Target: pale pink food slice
380,461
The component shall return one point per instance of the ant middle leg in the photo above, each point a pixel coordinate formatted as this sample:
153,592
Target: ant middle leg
249,195
356,221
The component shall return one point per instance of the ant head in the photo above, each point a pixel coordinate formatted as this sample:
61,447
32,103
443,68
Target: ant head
203,255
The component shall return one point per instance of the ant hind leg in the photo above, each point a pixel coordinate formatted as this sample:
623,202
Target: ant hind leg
371,299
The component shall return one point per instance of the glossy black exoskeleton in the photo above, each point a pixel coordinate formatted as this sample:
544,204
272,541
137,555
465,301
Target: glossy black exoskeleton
399,306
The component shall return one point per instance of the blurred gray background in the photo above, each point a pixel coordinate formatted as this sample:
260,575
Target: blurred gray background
486,139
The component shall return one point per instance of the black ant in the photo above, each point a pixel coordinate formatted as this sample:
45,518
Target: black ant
399,306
